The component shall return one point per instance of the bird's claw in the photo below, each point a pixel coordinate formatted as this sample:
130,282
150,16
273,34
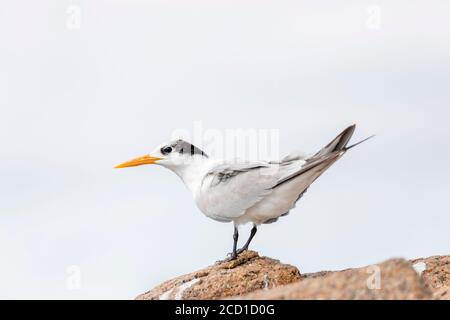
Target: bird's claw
233,255
230,257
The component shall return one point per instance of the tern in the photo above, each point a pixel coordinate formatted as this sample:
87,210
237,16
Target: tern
239,191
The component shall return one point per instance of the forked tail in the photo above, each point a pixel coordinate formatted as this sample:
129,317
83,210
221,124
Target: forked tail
340,142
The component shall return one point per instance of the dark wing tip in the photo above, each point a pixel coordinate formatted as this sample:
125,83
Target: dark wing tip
344,137
339,143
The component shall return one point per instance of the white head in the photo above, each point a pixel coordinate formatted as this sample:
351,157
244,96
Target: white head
175,155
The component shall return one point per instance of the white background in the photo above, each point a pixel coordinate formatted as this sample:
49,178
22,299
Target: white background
82,93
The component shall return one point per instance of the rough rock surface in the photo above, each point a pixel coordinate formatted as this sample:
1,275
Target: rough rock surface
435,271
246,274
393,279
254,277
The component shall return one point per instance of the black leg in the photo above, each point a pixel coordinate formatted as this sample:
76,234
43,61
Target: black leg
252,234
235,241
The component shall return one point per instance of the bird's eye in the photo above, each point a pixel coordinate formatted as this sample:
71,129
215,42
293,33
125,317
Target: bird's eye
166,150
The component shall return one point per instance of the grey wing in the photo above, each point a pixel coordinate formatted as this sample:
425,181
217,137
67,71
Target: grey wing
267,191
229,189
289,188
293,185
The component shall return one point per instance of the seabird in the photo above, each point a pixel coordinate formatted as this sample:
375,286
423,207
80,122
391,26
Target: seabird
257,192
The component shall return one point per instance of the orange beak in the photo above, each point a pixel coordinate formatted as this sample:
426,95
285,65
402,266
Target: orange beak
147,159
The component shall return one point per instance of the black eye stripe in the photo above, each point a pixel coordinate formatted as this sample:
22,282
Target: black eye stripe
184,147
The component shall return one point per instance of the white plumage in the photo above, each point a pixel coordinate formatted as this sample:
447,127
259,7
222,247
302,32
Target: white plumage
242,191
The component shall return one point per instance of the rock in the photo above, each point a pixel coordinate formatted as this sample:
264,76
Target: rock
246,274
255,277
393,279
435,271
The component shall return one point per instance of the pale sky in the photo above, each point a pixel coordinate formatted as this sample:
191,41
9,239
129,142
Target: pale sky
85,85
